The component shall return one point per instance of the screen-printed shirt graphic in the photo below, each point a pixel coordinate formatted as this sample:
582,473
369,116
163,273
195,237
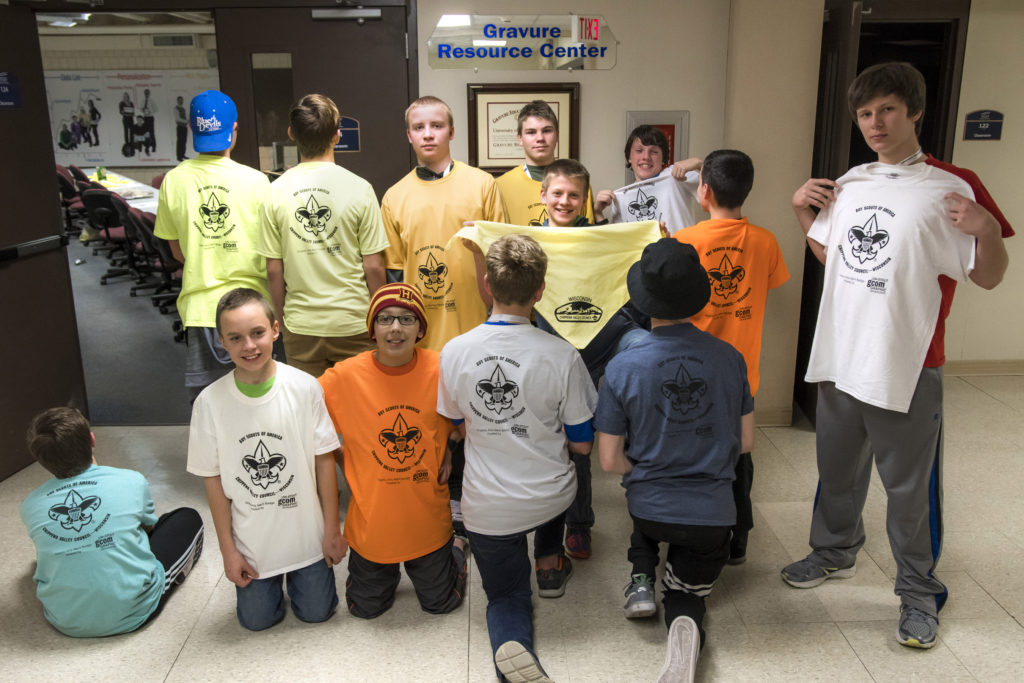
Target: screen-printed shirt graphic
661,198
887,239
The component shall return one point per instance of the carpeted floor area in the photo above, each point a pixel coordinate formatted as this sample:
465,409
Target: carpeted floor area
134,370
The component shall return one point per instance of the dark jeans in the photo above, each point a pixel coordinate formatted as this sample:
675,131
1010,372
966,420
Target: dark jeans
696,555
506,571
311,590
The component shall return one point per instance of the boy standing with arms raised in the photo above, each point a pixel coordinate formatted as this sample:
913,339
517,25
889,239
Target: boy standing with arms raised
894,236
262,439
324,241
384,405
743,262
681,400
537,132
209,211
526,400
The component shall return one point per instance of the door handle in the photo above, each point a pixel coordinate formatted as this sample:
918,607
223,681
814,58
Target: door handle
358,15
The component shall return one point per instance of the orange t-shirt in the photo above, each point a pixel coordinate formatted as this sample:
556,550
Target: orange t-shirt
394,442
743,262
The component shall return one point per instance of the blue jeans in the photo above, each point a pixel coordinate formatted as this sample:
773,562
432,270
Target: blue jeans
311,590
505,570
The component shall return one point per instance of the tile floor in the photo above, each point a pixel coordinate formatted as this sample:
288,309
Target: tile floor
758,627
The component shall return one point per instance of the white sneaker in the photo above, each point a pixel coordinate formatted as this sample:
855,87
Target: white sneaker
682,651
517,665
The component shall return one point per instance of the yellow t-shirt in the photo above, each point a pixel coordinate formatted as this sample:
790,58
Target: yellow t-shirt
586,279
394,442
321,220
420,216
211,205
520,195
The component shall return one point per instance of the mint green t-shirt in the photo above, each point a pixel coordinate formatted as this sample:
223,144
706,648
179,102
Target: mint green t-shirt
95,573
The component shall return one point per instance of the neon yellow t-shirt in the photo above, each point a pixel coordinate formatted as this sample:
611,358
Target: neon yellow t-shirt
211,206
520,195
420,216
586,279
321,220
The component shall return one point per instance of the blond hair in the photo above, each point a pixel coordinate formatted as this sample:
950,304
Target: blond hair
430,101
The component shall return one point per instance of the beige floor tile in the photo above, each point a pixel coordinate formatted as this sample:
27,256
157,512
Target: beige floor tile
886,660
801,652
991,649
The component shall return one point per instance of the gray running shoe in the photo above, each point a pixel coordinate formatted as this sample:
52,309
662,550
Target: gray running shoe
917,628
806,574
551,582
682,651
640,597
517,665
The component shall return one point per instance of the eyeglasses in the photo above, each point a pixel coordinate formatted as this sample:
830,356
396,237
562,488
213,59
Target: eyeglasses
404,320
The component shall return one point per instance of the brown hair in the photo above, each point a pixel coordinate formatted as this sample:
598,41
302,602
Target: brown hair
59,439
314,121
538,108
567,168
891,78
239,297
430,101
648,135
516,266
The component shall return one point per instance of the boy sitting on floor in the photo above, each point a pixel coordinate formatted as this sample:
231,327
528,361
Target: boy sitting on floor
91,524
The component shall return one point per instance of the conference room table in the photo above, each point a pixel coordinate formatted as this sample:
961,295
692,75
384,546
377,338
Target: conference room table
138,195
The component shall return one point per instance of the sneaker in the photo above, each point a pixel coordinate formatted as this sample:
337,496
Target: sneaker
640,597
551,582
682,651
577,543
806,574
517,665
917,628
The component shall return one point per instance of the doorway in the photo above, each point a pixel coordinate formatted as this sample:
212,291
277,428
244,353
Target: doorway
856,35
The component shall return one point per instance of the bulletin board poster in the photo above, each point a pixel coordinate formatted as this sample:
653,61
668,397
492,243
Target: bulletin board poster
123,118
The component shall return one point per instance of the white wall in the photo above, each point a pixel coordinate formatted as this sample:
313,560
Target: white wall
986,329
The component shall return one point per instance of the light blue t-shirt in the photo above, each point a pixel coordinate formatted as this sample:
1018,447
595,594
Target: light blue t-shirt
678,395
95,573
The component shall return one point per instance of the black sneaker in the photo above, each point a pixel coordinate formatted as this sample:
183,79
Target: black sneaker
551,582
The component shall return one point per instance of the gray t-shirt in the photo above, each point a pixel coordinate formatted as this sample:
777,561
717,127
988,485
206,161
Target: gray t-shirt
678,396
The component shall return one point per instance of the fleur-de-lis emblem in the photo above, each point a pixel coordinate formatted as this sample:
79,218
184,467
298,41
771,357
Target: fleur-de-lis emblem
497,391
684,391
726,277
868,239
400,439
263,466
432,273
214,213
643,206
76,511
313,217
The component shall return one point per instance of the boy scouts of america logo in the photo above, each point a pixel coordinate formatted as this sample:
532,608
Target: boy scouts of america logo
400,439
726,277
542,219
313,217
214,213
75,512
432,273
497,391
684,391
867,239
642,207
264,467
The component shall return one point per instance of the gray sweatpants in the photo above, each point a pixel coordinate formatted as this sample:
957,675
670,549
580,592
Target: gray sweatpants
908,453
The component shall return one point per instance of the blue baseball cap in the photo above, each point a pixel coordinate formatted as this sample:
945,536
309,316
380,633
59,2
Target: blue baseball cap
212,117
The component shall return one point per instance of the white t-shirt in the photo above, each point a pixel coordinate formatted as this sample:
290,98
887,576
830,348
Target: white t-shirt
263,451
661,198
516,387
887,239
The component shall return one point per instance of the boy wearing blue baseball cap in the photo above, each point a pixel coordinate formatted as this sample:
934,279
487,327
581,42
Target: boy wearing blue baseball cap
209,211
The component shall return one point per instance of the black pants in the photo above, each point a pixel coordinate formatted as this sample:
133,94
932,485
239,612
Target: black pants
439,578
182,136
744,510
177,542
696,555
128,123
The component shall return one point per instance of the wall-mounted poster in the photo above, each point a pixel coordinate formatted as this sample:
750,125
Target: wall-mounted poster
123,118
